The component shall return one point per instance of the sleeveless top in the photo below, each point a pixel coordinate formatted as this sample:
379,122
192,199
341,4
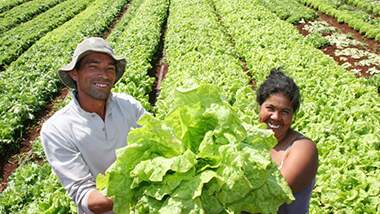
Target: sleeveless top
301,203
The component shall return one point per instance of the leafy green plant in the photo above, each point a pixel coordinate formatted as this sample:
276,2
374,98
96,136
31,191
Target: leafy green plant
24,12
316,40
371,6
289,10
20,38
33,188
358,20
7,5
138,39
198,159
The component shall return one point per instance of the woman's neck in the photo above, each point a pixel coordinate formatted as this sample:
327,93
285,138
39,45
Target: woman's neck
284,141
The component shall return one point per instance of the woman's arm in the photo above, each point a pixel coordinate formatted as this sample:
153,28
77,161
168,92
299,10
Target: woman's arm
300,165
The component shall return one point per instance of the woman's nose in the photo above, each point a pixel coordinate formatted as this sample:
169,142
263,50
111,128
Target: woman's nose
274,115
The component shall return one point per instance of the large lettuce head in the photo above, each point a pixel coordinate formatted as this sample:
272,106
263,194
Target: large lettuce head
199,159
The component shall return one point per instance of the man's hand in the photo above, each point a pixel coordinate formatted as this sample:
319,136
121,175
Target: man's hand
98,203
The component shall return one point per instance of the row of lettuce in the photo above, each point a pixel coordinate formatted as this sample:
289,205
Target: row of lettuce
18,39
24,12
371,6
290,10
316,37
33,188
9,4
360,15
31,81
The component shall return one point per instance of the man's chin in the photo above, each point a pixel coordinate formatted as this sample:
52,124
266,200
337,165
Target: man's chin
100,95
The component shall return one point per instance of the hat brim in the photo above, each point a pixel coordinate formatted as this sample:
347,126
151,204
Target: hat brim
63,72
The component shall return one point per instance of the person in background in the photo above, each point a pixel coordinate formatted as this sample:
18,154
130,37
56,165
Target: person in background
80,139
295,155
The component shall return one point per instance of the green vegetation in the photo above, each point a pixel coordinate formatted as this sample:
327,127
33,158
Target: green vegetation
358,21
290,10
8,4
339,112
225,43
196,48
199,159
138,41
371,6
24,12
15,41
31,80
33,188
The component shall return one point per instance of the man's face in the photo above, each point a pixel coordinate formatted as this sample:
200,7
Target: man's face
95,75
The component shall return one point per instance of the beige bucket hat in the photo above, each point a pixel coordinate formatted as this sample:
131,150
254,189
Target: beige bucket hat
92,44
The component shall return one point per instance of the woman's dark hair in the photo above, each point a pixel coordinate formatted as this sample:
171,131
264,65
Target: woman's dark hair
276,82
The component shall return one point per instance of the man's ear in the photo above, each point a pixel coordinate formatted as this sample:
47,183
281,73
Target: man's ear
73,74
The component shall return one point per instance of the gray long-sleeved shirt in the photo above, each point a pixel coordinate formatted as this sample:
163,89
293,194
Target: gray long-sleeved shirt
79,145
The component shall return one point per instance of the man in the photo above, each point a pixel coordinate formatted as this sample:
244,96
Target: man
80,140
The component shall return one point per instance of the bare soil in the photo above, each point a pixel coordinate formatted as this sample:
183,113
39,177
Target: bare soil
371,45
159,66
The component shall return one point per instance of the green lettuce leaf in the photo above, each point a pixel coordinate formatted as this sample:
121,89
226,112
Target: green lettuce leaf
199,159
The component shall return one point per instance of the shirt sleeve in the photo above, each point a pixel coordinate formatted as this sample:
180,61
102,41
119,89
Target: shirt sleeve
68,165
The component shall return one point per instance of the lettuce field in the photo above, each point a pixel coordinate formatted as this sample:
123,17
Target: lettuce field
330,47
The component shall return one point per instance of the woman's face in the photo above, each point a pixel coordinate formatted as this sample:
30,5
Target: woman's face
277,113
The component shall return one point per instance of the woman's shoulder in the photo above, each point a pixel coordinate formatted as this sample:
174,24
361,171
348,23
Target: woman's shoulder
300,139
304,146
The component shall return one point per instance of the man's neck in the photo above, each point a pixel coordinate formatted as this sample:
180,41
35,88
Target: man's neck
92,105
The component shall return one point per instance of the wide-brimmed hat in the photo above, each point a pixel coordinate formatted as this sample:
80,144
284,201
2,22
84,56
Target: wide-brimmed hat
92,44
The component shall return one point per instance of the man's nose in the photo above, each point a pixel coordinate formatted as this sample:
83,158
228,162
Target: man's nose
103,73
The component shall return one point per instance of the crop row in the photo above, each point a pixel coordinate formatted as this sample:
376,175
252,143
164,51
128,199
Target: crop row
34,188
31,81
354,20
371,6
138,42
24,12
289,10
294,12
339,112
197,50
7,5
15,41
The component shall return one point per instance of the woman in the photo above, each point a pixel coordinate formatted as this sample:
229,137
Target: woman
295,155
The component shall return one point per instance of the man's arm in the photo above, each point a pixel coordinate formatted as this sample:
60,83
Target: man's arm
72,170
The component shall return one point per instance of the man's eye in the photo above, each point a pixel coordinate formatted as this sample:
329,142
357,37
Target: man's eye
111,69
